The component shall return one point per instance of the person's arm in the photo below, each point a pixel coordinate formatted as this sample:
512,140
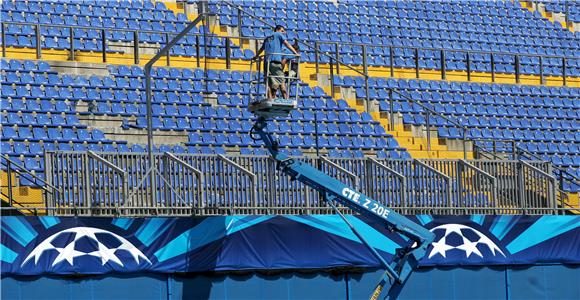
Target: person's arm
289,46
259,51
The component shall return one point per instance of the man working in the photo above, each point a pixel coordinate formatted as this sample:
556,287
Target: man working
273,68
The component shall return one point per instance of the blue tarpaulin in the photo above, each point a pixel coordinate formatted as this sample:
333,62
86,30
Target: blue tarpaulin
67,245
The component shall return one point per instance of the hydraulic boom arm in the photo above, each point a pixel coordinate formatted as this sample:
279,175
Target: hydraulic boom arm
335,191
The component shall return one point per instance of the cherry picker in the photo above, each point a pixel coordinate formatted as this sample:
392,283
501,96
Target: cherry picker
335,192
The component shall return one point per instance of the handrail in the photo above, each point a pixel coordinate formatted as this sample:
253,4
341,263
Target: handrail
448,179
478,170
106,162
452,50
403,180
518,149
537,170
183,163
394,46
554,190
198,175
340,168
237,166
454,122
240,10
301,42
23,169
481,148
424,165
386,168
333,58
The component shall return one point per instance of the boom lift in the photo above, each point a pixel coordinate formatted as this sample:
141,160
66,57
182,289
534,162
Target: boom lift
335,192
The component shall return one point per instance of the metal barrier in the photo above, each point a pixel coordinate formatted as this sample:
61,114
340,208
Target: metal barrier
14,174
329,50
119,184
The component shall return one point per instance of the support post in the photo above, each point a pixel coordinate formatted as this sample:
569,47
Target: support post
38,41
428,124
517,67
147,70
417,63
464,141
443,66
136,47
468,66
331,65
9,171
228,53
492,67
337,57
3,40
392,61
317,57
366,73
391,111
72,43
521,186
104,45
564,81
168,56
542,70
197,54
239,21
316,134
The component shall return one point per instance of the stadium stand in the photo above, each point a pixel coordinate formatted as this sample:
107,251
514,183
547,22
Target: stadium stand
542,120
197,111
431,25
564,13
47,111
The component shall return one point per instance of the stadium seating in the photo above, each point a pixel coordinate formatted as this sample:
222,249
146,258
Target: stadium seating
39,113
542,120
453,26
570,8
119,18
43,110
460,25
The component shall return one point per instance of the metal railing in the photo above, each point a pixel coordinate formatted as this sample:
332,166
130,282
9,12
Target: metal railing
16,173
335,61
509,149
134,48
119,184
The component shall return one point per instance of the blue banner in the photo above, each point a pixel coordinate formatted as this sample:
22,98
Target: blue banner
66,245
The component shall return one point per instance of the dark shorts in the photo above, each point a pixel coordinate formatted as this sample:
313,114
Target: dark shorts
274,73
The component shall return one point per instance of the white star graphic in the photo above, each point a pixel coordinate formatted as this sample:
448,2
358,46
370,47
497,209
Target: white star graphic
469,248
440,247
67,253
451,229
134,252
106,254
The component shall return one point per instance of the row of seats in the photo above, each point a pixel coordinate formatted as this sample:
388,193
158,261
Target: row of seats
53,134
529,115
466,88
39,119
458,27
37,104
54,17
54,38
570,8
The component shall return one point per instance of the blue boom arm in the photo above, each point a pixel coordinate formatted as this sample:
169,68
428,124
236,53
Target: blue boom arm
406,259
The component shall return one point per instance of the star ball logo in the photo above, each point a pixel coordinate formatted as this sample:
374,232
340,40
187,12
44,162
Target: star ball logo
86,241
463,238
